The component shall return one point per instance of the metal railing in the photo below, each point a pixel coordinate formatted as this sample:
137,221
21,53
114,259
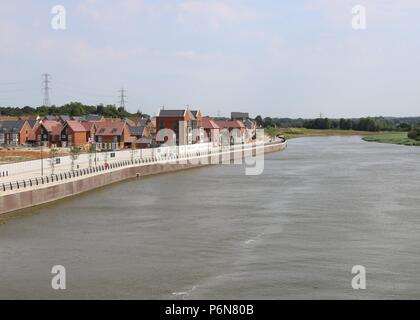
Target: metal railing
165,154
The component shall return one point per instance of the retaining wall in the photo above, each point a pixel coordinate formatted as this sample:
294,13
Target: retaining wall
37,196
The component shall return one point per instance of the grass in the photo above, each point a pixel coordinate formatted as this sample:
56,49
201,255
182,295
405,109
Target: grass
392,137
291,133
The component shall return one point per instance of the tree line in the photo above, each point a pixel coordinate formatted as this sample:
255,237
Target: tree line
70,109
361,124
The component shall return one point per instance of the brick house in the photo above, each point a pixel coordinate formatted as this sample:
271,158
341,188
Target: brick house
236,130
74,133
112,135
182,122
13,133
48,133
211,130
250,125
199,132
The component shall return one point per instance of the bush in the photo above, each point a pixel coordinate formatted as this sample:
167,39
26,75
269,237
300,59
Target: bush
414,134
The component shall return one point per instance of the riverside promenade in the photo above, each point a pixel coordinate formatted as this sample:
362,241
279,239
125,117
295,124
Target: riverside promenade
22,186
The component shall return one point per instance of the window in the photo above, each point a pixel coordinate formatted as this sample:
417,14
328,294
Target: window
112,155
161,124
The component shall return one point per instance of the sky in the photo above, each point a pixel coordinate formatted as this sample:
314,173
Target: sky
278,58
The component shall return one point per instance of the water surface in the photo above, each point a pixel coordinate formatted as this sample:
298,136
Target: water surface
320,207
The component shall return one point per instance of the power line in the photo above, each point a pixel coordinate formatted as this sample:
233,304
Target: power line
46,89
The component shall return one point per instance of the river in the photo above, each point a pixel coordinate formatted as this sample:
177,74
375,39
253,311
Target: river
294,232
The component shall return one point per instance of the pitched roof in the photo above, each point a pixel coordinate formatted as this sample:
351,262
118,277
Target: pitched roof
195,112
171,113
145,140
109,128
209,123
136,131
239,115
233,124
53,127
78,118
11,126
144,121
64,117
87,124
32,123
94,117
76,126
50,117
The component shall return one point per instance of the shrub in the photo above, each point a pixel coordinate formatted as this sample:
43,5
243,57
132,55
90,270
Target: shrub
414,134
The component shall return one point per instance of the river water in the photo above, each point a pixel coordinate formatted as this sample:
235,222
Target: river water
320,207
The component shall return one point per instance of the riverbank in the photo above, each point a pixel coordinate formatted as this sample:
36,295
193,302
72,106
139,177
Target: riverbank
26,194
400,138
291,133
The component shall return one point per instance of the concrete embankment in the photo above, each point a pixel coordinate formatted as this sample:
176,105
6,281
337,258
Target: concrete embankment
38,195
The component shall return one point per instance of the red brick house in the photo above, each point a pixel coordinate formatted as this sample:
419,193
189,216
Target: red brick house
235,128
181,121
13,133
112,135
74,133
48,133
199,132
211,130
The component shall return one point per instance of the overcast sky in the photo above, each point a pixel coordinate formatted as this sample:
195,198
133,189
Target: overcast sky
281,58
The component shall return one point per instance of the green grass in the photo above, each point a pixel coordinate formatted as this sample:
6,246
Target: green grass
392,137
291,133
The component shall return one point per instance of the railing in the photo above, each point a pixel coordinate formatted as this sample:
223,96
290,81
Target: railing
160,154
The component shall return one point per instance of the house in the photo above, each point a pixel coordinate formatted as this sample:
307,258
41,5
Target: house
112,135
250,125
63,118
199,132
236,130
75,134
13,133
211,131
138,132
94,117
181,121
242,116
144,142
49,117
48,133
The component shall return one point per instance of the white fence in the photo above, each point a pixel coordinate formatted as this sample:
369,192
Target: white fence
86,160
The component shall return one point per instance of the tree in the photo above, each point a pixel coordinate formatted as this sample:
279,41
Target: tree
268,122
74,154
259,121
345,124
91,150
414,134
53,154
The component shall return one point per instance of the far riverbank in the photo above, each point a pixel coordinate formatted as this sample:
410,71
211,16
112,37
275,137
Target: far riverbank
400,138
291,133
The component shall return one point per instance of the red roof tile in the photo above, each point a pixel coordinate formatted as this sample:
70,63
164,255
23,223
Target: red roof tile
53,127
109,128
234,124
209,123
76,126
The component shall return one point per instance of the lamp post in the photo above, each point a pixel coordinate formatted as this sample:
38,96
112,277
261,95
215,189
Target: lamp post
42,161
